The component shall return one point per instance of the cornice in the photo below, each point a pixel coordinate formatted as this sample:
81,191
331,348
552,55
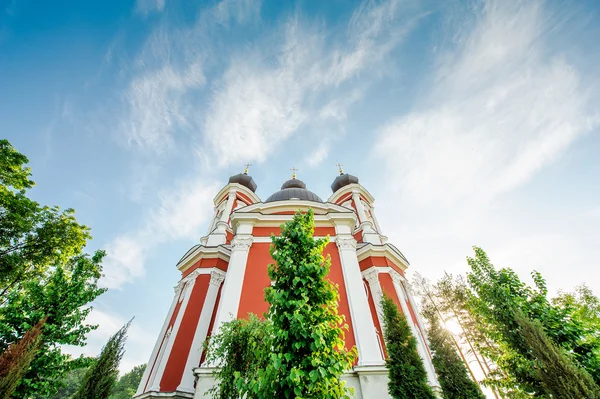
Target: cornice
386,250
351,188
199,251
237,187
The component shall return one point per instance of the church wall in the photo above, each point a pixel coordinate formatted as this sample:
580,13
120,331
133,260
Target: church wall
206,263
256,280
183,341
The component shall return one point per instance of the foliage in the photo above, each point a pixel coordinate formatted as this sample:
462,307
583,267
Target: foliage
241,350
32,237
100,379
557,373
70,383
408,378
308,354
496,295
582,305
17,358
62,294
451,371
128,383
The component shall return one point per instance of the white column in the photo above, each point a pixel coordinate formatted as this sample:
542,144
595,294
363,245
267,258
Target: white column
232,287
164,358
398,284
219,235
187,380
369,234
372,277
159,341
365,334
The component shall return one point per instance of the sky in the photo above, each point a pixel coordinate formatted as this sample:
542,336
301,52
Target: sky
471,123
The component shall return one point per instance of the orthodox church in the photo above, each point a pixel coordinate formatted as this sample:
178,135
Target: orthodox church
225,275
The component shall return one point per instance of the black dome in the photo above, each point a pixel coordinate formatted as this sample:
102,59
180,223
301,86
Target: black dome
343,180
244,180
294,189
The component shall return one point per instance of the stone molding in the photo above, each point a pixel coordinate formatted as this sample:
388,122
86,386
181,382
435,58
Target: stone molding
346,242
241,243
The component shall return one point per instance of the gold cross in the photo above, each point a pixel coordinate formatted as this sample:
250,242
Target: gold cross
339,165
293,172
246,168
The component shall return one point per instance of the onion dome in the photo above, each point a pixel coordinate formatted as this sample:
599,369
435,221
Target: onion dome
244,180
294,189
342,180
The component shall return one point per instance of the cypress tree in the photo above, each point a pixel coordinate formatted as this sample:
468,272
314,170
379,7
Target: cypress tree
308,355
408,378
17,358
559,376
451,371
101,377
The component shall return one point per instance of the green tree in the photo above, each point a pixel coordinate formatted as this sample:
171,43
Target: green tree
408,378
240,350
100,379
63,294
451,371
308,354
32,237
128,383
70,383
556,371
495,294
16,359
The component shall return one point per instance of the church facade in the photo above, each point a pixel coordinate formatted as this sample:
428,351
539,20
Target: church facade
225,275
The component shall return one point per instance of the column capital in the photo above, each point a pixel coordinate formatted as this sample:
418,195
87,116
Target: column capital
217,277
371,275
346,242
241,243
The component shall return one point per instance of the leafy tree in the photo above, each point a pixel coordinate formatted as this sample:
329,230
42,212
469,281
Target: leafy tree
556,371
450,369
495,296
128,383
63,294
32,237
70,383
17,358
240,350
408,378
100,379
308,354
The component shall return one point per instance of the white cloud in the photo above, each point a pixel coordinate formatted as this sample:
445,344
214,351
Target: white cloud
145,7
180,214
138,339
499,110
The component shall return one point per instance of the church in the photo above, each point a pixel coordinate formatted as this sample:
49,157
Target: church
225,275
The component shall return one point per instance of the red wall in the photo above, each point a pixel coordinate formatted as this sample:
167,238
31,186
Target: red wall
183,341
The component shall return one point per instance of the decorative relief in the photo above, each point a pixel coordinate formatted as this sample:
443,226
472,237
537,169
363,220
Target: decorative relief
217,277
346,242
371,275
241,243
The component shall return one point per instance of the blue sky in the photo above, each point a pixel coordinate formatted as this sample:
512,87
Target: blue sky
470,122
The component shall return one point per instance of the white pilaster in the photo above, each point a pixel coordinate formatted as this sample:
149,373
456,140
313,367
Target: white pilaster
369,234
365,334
372,277
168,345
402,296
219,235
163,331
232,287
187,380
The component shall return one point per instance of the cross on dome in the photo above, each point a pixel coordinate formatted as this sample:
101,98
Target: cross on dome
246,168
294,170
339,165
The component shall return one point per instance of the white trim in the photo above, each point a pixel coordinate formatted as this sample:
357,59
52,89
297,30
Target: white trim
199,251
386,250
349,189
237,187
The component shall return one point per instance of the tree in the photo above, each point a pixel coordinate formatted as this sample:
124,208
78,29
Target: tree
128,383
308,354
241,351
556,371
495,294
70,383
451,371
100,379
32,237
408,378
63,294
17,358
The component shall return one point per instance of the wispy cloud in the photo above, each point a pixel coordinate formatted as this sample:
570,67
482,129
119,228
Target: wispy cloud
500,108
180,214
145,7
